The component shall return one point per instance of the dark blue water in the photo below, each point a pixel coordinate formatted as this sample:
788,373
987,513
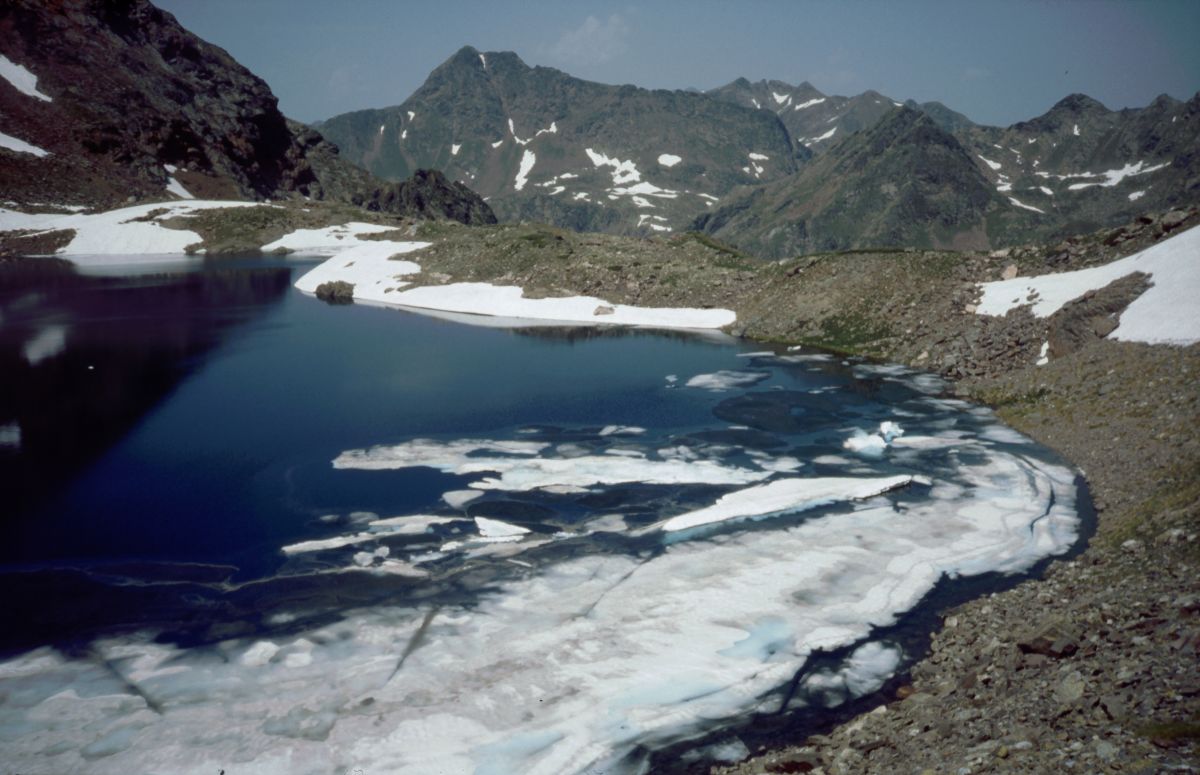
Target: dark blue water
244,390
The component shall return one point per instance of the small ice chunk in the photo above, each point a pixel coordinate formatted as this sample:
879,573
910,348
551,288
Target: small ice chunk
494,528
259,654
621,430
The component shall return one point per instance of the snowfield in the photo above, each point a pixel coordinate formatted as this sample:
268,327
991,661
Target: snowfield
1167,313
378,279
119,232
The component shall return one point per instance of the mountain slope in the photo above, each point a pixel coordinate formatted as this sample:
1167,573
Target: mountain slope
541,144
815,120
902,182
105,101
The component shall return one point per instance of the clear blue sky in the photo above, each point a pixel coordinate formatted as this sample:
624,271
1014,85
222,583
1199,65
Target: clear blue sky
997,62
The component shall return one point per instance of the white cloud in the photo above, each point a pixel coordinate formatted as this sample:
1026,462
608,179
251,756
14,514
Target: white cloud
592,43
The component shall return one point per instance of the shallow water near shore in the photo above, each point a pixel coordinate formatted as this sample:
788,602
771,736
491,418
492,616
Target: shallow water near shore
257,531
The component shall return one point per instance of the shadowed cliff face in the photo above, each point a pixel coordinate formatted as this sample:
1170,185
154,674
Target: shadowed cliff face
129,104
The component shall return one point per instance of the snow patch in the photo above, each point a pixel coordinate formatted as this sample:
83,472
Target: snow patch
120,232
21,78
1136,195
669,159
995,165
809,103
528,159
329,239
1167,313
1018,203
455,148
782,99
20,146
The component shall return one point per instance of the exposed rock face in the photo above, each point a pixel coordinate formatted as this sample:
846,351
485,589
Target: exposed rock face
132,105
429,194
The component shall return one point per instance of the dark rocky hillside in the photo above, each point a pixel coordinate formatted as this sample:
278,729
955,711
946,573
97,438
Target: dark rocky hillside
1079,167
903,182
540,144
127,104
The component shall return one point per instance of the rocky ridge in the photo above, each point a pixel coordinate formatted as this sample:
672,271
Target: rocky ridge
751,163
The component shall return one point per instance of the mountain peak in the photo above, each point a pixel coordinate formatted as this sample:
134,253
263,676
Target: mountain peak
1079,103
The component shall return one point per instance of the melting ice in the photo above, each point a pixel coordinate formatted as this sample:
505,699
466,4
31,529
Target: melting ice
585,595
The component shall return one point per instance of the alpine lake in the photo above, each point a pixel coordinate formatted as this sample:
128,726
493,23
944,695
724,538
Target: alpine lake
247,531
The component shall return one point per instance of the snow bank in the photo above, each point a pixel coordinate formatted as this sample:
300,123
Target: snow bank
1167,313
378,280
809,103
119,232
21,78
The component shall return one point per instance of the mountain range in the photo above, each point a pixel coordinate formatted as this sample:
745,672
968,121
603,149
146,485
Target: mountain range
104,102
772,168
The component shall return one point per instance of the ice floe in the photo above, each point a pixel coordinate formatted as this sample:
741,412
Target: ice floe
20,146
578,657
726,379
518,466
1167,313
21,78
784,496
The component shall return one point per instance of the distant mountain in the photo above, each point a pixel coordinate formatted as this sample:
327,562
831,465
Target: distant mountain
1078,168
815,120
904,181
102,101
542,145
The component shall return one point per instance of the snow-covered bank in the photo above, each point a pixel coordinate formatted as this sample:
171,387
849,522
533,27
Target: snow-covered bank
128,231
378,280
1167,313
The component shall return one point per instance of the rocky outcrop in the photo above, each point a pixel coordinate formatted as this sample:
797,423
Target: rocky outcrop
428,194
129,105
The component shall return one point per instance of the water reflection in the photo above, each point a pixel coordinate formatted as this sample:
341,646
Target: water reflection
85,357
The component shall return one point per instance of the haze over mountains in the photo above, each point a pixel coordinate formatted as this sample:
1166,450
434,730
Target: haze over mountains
773,168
